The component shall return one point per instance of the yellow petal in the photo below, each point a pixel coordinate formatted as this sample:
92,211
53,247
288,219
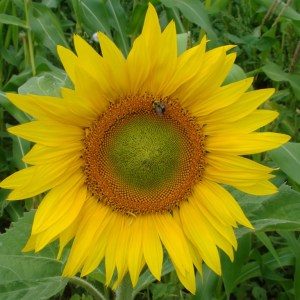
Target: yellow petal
191,92
88,89
226,202
196,256
69,61
112,246
30,245
122,252
18,179
223,236
164,60
213,204
245,105
245,144
237,163
142,56
48,133
151,28
47,108
221,97
247,124
236,171
260,188
138,66
40,154
135,250
99,243
80,106
197,232
87,236
152,247
68,234
90,61
116,64
66,199
44,178
235,177
175,242
188,65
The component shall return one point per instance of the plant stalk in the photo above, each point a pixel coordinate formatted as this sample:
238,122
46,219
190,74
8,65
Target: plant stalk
88,287
29,37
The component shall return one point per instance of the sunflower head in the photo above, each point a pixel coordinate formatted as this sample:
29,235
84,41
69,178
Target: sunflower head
133,158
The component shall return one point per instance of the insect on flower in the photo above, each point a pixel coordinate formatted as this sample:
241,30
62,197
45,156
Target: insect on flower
159,107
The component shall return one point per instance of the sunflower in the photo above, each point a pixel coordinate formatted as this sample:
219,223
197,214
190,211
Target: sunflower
134,157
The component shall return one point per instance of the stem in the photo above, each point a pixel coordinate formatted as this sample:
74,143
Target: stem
29,37
124,291
88,287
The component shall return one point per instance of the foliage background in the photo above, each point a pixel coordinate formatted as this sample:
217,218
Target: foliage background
266,32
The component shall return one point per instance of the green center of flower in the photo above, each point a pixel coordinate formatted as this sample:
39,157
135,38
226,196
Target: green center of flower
145,151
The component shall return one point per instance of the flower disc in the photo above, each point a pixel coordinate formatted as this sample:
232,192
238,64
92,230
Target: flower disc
141,160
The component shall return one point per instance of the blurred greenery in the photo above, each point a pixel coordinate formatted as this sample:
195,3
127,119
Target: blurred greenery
266,34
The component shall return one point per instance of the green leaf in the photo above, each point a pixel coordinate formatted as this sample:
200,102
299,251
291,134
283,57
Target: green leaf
280,211
147,278
236,73
206,284
28,289
12,20
253,269
274,72
93,15
294,244
174,14
20,148
195,12
48,84
282,8
231,270
46,27
263,237
118,22
287,157
23,275
182,42
135,22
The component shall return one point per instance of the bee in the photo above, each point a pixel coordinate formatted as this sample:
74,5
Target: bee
159,107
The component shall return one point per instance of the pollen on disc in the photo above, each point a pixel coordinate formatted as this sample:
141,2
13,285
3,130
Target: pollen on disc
138,161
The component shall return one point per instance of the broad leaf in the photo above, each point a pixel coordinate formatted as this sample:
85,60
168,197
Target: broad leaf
274,72
118,22
182,42
287,157
195,12
46,27
48,83
93,15
26,275
231,270
280,211
12,20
